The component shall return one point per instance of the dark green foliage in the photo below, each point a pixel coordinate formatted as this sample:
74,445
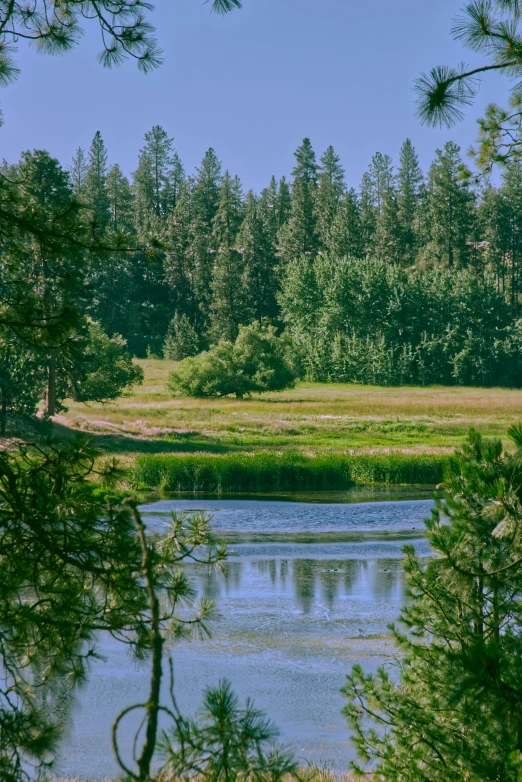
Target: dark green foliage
182,339
227,742
372,322
77,576
120,198
450,210
410,194
227,307
268,471
22,379
78,172
451,708
389,238
254,243
329,195
102,368
197,249
94,191
254,363
299,234
346,231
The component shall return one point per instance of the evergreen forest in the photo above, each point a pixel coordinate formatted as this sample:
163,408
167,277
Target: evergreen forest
408,277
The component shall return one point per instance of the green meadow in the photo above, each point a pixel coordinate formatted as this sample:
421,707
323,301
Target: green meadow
315,436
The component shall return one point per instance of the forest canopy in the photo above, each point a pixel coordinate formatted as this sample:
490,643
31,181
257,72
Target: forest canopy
407,277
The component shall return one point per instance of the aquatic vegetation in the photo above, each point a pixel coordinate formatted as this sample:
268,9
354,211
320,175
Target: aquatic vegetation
268,471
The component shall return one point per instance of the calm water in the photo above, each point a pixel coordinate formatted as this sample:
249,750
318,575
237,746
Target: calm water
294,617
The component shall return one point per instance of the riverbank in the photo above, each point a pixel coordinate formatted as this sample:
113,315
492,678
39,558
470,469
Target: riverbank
316,436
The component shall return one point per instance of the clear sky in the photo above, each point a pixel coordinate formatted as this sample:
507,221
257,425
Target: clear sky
251,85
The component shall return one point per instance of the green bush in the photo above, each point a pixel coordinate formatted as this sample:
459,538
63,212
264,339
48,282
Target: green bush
255,362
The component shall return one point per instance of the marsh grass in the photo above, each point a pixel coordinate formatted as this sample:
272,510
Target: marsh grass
266,471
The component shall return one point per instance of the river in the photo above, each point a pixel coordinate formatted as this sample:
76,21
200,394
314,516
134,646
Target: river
308,591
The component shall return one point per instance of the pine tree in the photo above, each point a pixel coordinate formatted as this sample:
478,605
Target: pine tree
449,209
494,225
156,180
346,235
227,219
111,277
227,309
454,712
298,235
53,267
120,197
96,182
205,195
381,180
259,263
176,180
409,194
389,243
268,205
330,192
284,202
367,212
512,194
179,269
78,172
206,189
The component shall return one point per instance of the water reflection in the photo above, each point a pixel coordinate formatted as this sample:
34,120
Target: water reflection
306,581
293,618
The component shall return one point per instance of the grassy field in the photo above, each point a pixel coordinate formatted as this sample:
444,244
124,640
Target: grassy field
312,420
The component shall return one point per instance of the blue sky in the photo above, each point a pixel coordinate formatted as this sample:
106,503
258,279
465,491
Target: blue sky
251,85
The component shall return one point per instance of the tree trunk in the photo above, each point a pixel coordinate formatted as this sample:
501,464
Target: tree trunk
3,415
50,401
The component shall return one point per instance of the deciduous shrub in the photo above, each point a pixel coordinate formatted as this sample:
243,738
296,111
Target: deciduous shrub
257,361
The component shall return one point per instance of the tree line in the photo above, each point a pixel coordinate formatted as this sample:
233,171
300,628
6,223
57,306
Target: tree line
410,278
446,249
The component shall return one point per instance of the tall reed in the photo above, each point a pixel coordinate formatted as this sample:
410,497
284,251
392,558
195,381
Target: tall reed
265,472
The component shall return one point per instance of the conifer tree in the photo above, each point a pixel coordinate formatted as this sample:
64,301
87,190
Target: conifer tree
96,182
176,180
227,307
449,209
120,197
368,214
112,276
206,189
284,202
380,180
204,205
178,263
409,194
346,234
268,205
299,235
54,269
454,712
389,243
227,219
78,173
512,197
330,192
259,262
157,178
